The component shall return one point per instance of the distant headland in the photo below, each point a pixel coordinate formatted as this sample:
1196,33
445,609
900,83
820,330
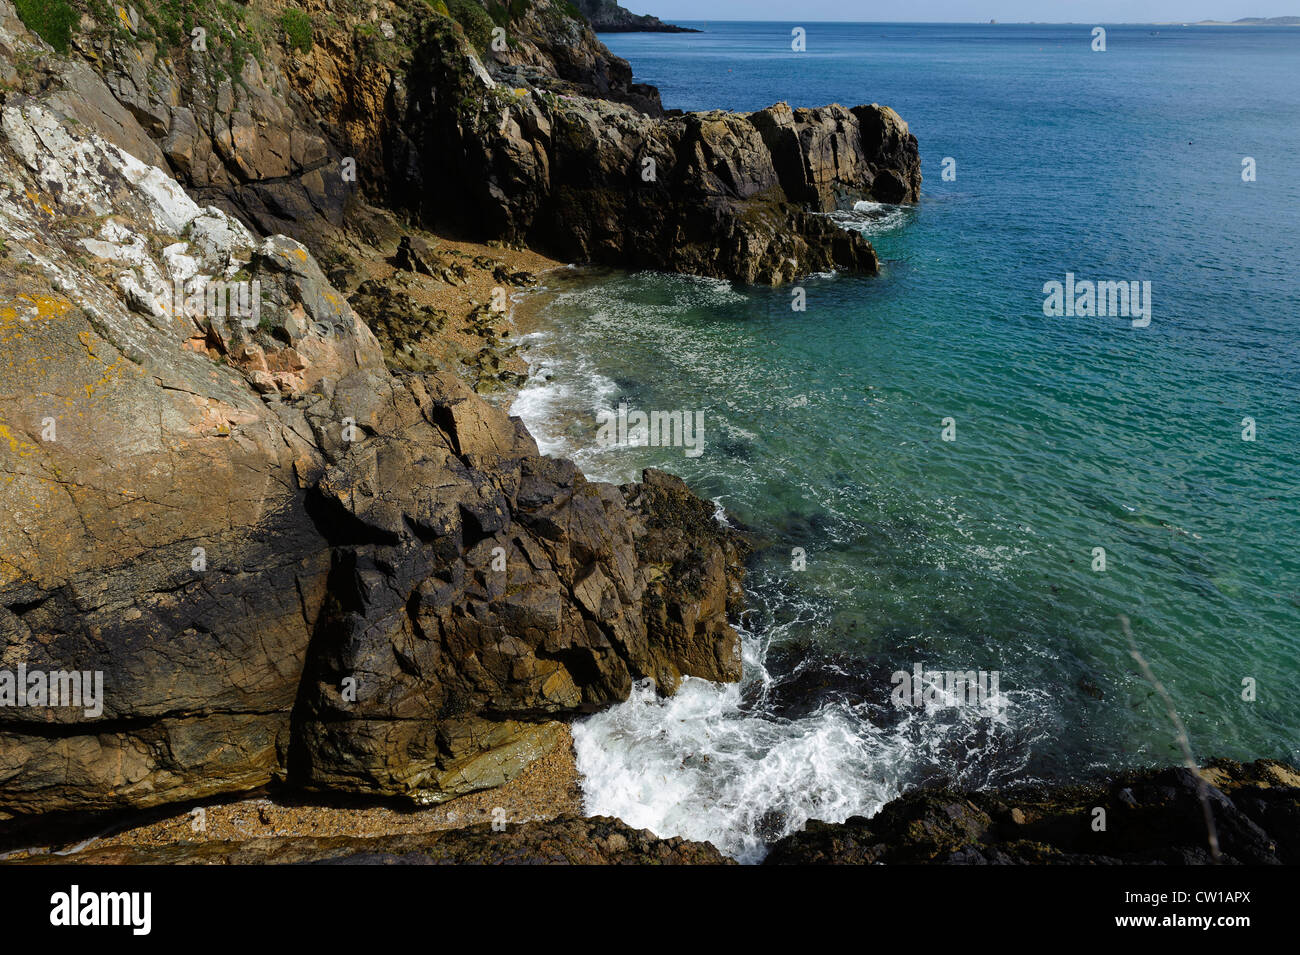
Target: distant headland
606,16
1251,22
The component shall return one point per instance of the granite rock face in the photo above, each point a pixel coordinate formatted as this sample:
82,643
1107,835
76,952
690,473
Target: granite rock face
285,561
1151,817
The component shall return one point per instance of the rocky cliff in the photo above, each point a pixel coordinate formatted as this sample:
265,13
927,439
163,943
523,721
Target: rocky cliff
504,121
293,550
612,181
285,560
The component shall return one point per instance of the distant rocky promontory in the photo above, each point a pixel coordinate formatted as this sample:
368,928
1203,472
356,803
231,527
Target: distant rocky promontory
606,16
1252,22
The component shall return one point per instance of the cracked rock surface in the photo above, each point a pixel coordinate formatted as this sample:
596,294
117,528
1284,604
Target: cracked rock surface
286,561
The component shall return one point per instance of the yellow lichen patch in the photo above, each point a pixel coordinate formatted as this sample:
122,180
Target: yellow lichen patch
16,445
43,307
110,372
25,309
301,253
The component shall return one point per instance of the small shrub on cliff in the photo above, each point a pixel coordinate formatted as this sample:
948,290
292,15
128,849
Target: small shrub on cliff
297,27
170,21
51,20
503,11
474,20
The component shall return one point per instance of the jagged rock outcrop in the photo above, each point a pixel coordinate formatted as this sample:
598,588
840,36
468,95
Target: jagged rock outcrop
720,194
1149,817
473,576
830,157
556,51
567,840
606,16
284,561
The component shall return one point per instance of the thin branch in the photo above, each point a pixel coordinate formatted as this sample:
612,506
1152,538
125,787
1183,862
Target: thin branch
1184,742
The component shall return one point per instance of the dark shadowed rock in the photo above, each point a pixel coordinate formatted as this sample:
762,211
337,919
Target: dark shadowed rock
1153,816
721,194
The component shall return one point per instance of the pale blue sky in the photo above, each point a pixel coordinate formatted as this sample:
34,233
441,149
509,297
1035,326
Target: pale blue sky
1052,11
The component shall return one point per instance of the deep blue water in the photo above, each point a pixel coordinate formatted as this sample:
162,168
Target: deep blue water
823,427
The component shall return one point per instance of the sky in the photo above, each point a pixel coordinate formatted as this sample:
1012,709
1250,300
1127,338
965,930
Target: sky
1009,11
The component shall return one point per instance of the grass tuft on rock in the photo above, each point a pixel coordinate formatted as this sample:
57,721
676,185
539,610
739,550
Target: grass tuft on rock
474,20
51,20
297,28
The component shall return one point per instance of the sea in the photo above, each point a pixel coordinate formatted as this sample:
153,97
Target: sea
942,470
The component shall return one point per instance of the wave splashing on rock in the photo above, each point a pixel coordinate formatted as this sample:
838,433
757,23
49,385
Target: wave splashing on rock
801,738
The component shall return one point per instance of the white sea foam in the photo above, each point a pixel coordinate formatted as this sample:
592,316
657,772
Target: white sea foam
555,398
871,218
704,766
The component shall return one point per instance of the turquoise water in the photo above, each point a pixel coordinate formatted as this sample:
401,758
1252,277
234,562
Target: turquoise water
823,428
